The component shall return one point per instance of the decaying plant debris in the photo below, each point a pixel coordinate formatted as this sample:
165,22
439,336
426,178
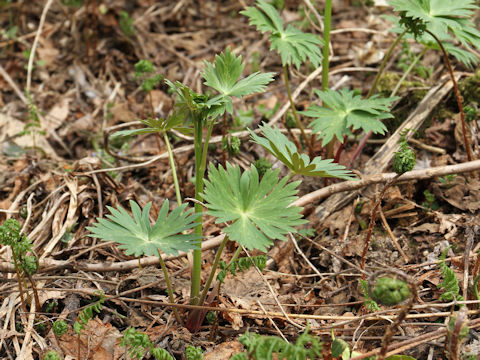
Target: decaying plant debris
74,151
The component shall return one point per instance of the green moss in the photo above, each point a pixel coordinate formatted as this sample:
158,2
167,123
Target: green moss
470,88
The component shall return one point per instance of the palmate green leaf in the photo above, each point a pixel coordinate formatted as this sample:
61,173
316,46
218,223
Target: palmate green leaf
343,109
293,45
284,150
448,20
137,236
258,211
224,77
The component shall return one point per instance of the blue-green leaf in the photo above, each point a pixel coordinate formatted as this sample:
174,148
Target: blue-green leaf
258,211
137,236
284,150
343,109
293,45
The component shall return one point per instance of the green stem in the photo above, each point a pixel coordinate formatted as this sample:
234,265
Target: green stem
200,166
409,69
327,17
213,270
325,60
458,96
174,170
294,111
169,286
384,63
197,254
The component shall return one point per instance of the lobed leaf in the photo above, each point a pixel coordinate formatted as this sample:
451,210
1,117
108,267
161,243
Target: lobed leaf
137,236
448,20
283,149
259,210
343,110
224,77
293,45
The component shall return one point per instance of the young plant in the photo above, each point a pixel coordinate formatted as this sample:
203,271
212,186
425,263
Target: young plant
293,45
344,110
51,355
241,265
138,345
25,265
193,353
284,150
436,24
449,283
60,328
137,236
84,317
224,77
145,71
392,287
265,347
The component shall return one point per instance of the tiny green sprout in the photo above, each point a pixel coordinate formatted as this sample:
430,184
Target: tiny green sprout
145,71
51,355
30,264
262,165
211,317
451,328
470,113
290,121
430,202
231,144
390,291
447,180
193,353
60,327
126,24
404,159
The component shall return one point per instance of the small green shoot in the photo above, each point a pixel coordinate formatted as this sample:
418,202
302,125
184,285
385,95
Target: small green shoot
390,291
430,202
447,180
87,314
138,344
51,355
241,265
126,24
224,77
264,347
25,265
369,303
449,283
193,353
60,327
145,71
231,144
262,165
